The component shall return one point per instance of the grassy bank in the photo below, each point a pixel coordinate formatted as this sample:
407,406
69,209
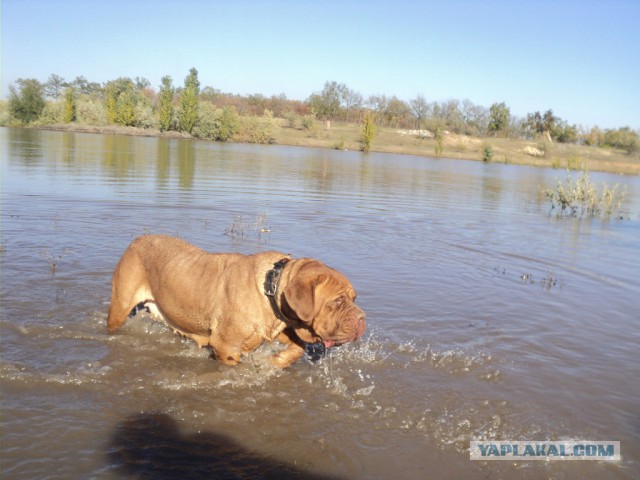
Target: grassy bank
390,140
504,150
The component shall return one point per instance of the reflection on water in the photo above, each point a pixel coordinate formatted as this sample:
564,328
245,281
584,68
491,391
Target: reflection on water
488,317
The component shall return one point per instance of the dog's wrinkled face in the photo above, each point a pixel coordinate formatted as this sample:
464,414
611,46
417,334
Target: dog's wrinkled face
324,300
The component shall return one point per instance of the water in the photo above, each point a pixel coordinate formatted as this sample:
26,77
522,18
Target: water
488,318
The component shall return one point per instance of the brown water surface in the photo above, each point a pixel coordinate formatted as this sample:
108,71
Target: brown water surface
488,317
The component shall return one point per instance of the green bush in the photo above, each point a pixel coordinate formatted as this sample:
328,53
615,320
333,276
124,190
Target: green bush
439,142
126,105
341,144
593,137
4,113
144,116
308,122
487,153
69,109
52,114
113,90
368,132
229,124
27,104
565,133
207,124
624,139
292,118
215,123
91,111
126,109
261,129
499,115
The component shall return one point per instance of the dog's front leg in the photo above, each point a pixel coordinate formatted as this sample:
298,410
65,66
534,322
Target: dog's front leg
294,350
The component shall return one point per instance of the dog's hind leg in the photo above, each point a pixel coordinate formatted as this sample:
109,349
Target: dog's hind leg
118,314
128,289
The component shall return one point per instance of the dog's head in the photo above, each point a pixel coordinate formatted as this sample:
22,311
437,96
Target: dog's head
323,300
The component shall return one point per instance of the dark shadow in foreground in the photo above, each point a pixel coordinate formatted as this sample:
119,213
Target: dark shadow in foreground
152,446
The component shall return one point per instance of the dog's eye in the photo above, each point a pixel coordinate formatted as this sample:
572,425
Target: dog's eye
335,303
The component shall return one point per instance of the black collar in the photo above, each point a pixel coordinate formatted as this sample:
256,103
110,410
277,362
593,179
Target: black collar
315,351
271,287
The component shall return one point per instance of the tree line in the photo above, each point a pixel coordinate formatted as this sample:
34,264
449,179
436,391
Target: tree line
207,112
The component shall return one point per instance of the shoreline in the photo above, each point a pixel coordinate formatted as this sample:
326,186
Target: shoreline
388,140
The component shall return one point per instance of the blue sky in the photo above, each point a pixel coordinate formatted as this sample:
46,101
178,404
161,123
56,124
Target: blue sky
580,58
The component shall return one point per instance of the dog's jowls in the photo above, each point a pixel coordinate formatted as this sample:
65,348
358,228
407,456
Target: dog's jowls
218,299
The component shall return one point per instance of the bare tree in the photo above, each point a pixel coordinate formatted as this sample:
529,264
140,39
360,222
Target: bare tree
420,109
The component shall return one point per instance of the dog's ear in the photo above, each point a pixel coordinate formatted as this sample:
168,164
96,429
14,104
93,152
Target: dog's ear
301,295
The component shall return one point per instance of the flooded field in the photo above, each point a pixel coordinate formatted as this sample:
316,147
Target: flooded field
488,317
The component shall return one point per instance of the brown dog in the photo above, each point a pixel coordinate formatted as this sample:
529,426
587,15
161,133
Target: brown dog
233,302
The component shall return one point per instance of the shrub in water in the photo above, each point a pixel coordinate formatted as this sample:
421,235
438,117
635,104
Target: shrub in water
582,197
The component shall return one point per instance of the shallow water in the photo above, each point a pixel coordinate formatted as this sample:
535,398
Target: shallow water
488,317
